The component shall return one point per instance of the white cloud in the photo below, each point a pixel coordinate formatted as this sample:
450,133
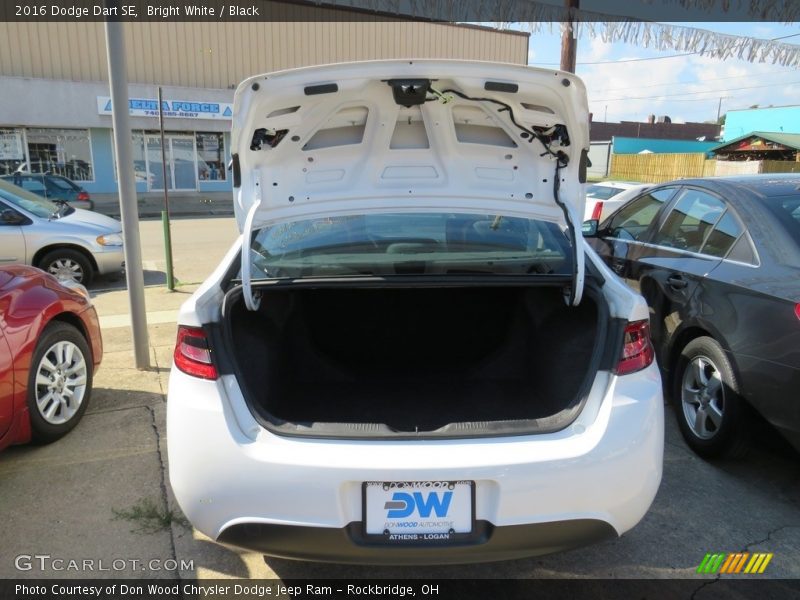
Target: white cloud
633,90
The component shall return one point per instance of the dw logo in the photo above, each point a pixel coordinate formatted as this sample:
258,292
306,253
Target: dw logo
402,505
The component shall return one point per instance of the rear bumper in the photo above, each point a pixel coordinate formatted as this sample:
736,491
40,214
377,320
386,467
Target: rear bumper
346,545
301,497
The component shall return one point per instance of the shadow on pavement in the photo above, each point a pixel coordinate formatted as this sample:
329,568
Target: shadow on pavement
115,282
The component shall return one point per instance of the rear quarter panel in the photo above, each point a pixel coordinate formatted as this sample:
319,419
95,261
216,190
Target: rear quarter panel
753,314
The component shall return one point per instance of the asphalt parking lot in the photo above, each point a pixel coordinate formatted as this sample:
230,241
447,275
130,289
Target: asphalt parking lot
90,495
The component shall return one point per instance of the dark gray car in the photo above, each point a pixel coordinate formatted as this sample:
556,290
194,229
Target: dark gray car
718,261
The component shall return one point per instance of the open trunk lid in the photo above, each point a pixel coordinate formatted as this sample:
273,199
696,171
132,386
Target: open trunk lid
414,136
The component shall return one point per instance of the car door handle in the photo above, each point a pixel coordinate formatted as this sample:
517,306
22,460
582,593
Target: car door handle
677,282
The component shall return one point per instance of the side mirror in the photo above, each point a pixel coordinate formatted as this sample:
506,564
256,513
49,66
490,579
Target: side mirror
11,217
589,228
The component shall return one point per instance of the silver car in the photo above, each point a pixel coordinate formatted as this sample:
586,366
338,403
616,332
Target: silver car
67,242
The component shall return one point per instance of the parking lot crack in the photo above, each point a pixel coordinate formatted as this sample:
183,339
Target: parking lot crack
157,368
746,548
163,481
769,536
704,585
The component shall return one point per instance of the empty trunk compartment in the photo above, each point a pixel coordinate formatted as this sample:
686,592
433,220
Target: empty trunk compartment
451,361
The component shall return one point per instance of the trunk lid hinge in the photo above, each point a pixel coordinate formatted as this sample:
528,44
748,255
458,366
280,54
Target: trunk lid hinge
252,300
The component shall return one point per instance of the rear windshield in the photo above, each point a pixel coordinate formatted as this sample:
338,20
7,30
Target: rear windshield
787,210
63,184
410,243
602,192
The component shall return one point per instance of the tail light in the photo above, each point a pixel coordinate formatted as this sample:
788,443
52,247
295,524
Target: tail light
797,310
192,354
597,210
83,196
637,350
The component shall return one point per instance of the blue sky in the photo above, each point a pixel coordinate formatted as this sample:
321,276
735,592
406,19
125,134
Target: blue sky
686,88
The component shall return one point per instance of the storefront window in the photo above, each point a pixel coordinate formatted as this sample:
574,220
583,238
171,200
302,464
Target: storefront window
64,152
140,171
12,150
210,156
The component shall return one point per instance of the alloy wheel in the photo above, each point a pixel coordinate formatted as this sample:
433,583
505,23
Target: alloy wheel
703,397
60,382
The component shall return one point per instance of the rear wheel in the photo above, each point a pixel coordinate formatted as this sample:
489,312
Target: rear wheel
65,263
59,382
710,412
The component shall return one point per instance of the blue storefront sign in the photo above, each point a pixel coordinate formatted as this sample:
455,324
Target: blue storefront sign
182,109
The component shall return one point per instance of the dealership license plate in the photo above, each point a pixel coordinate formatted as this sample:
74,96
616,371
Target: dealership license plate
418,510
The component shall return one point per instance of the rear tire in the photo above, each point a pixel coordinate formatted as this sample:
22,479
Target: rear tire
65,263
711,414
59,382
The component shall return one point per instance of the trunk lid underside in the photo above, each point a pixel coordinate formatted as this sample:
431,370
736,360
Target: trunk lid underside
410,136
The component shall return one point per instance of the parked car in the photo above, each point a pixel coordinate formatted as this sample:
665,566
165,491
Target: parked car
67,242
50,347
601,208
409,356
718,261
53,187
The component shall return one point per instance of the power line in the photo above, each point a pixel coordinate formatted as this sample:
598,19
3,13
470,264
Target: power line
627,60
752,87
673,83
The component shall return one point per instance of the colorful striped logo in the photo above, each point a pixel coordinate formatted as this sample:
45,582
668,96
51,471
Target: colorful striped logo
739,562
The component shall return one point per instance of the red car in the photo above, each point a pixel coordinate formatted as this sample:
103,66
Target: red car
50,346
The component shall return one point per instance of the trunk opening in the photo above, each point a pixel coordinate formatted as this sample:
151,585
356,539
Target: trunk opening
415,361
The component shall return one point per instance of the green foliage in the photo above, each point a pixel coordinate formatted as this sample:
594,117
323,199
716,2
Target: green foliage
150,517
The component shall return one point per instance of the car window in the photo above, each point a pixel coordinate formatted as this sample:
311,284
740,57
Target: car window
33,184
742,251
632,220
19,197
411,243
602,192
61,184
787,210
722,236
5,207
690,221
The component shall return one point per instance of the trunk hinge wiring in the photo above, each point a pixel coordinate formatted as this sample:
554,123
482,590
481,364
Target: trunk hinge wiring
575,293
546,137
252,300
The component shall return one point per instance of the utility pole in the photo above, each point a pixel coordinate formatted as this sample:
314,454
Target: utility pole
719,108
568,41
129,211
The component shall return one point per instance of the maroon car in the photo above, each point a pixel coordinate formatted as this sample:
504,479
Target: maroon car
50,346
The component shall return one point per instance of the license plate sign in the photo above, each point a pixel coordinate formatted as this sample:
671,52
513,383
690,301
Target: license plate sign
420,510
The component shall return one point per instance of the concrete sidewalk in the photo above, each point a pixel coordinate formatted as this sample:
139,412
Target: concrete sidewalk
181,204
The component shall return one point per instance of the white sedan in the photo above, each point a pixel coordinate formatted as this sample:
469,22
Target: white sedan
605,197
